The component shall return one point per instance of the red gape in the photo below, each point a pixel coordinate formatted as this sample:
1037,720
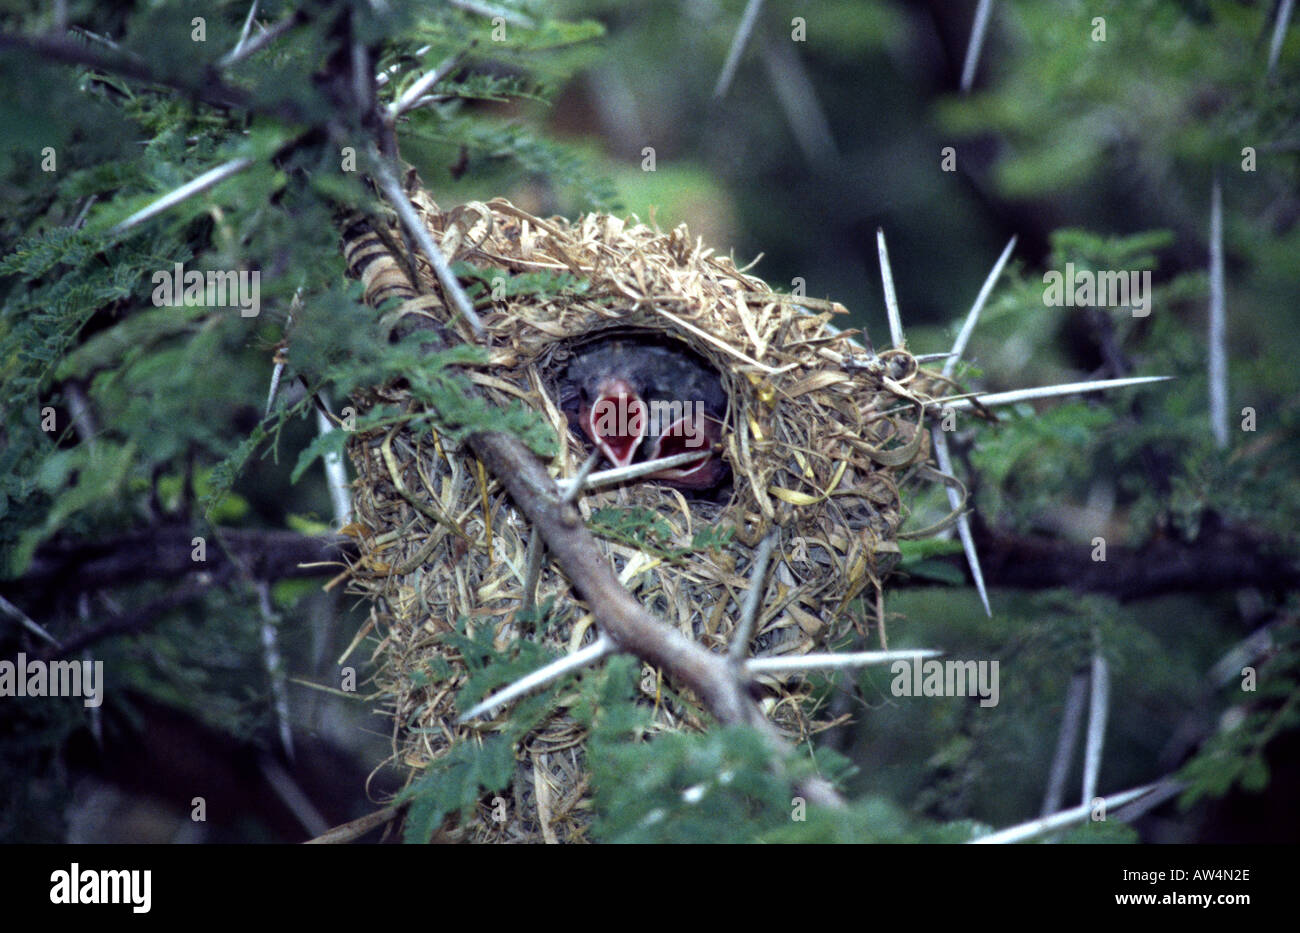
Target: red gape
697,431
641,399
616,420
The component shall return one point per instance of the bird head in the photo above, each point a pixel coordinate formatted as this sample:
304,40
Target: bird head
615,419
638,399
695,431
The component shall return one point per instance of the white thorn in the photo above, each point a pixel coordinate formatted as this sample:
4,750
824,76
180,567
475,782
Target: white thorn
891,299
1059,820
738,43
411,97
976,43
967,328
189,189
543,676
1218,356
1098,708
1071,388
451,286
963,523
632,471
831,660
1279,33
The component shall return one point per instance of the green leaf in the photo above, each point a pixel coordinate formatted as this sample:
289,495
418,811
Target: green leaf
100,471
456,782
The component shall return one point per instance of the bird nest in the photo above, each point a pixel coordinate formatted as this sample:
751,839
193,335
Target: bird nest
819,432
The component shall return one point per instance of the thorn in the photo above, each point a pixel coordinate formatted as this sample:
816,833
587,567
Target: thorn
184,192
411,97
1066,738
1218,355
977,30
963,522
738,43
831,660
1060,820
602,646
1279,33
968,327
633,471
1098,709
891,299
1070,388
579,482
33,627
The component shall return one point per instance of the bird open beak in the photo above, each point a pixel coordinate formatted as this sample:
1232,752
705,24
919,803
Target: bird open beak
695,432
616,421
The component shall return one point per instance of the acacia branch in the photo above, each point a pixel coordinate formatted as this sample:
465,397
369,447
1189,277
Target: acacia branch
1223,557
721,685
165,552
203,84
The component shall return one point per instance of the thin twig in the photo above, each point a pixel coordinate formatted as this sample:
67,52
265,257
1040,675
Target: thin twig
199,83
451,288
17,614
740,638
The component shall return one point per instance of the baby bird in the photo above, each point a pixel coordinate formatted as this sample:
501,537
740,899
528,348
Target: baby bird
638,399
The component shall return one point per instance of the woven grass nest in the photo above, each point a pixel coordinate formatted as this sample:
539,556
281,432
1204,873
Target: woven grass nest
820,433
